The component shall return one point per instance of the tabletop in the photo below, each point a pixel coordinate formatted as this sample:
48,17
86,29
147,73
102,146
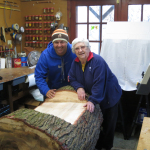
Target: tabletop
9,74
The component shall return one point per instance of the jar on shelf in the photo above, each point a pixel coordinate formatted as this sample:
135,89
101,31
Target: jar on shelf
48,31
30,44
41,37
36,17
48,24
30,24
27,24
30,31
33,44
36,31
33,31
26,18
40,24
26,44
40,31
44,10
33,37
30,18
36,37
27,37
45,31
33,24
52,9
37,44
45,38
48,17
48,10
45,44
26,31
30,37
45,17
45,24
40,17
49,37
40,44
36,24
52,17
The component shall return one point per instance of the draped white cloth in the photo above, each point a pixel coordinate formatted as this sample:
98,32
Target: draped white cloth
126,49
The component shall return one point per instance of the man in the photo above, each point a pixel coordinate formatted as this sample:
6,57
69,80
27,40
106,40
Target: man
54,64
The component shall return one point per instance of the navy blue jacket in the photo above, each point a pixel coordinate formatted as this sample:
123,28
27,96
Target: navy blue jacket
97,80
54,67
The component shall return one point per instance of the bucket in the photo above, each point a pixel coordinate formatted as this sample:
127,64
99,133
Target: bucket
23,61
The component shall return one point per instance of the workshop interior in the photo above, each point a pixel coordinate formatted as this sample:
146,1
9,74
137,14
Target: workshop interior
118,31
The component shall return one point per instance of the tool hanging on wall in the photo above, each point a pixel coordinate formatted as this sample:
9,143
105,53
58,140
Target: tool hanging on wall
8,29
58,15
53,25
15,26
16,36
9,8
2,34
21,30
9,4
43,2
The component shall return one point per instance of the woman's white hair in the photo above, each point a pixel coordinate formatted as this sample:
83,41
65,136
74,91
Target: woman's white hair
80,40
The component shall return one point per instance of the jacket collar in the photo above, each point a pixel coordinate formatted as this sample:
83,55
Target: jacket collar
89,57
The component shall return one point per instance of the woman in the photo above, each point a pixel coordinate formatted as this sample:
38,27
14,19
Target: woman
90,73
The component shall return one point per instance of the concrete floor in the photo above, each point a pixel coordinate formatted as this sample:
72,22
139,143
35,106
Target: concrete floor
131,144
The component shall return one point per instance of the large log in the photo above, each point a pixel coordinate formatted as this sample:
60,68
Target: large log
27,129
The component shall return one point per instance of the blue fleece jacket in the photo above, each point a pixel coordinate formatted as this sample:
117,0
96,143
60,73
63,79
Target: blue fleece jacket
53,67
97,80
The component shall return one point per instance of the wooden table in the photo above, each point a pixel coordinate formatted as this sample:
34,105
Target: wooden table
144,139
12,77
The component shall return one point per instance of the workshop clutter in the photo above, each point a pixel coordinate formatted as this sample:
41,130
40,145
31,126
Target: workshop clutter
9,60
4,110
142,113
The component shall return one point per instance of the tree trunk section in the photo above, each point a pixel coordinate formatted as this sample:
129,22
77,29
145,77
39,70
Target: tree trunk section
27,129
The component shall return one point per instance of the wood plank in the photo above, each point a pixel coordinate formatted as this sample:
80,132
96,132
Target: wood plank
144,139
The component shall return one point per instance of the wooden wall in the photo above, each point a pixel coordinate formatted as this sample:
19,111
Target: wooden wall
34,8
29,8
11,17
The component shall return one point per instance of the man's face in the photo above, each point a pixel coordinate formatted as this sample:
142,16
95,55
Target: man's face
60,47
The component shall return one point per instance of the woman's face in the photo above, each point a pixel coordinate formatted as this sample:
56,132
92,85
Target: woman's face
81,51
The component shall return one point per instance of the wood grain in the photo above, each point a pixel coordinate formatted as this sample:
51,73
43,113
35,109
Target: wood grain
144,139
9,74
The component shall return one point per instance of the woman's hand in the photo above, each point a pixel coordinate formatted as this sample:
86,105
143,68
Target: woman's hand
90,106
51,93
81,94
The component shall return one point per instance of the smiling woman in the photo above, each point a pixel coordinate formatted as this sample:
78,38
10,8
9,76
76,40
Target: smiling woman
90,73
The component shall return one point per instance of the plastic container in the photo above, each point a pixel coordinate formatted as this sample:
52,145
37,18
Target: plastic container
23,61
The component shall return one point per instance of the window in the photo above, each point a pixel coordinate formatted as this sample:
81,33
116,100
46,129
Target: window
137,13
91,23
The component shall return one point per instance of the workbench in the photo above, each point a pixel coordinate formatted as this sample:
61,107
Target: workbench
12,77
144,138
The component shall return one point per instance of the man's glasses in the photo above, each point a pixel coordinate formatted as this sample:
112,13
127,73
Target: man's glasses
78,48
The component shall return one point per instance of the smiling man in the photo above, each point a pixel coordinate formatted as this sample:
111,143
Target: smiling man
54,64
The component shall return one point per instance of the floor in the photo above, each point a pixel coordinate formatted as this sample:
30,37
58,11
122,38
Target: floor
131,144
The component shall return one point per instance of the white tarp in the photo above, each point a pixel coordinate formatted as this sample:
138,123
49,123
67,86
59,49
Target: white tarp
126,49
